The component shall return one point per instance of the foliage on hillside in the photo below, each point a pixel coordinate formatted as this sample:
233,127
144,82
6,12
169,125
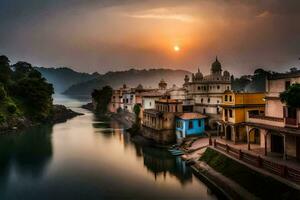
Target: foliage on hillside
23,92
102,98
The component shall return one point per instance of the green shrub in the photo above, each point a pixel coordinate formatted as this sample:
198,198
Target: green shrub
2,93
2,118
119,110
11,108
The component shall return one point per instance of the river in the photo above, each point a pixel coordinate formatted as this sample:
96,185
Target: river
90,158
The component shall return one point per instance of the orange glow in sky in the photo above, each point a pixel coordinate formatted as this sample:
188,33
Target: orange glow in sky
176,48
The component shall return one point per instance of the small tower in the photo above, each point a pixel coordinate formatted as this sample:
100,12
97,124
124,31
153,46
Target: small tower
162,85
186,79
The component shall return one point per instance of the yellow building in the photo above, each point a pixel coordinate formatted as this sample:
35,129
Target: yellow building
237,106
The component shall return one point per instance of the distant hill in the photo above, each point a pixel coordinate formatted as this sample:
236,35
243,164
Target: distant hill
132,77
62,78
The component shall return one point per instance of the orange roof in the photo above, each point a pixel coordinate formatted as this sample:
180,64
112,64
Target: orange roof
191,116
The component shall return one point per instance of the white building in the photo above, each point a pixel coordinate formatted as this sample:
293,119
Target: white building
176,93
207,91
278,129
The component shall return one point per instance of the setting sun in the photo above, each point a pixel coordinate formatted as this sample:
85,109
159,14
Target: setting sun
176,48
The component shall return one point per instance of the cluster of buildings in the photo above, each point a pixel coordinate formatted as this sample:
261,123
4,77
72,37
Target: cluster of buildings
207,102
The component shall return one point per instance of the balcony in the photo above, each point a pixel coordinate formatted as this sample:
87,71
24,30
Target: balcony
291,122
268,120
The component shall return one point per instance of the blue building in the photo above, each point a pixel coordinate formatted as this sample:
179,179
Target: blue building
188,124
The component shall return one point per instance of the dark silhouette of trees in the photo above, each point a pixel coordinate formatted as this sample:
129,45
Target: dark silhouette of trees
102,98
5,71
291,96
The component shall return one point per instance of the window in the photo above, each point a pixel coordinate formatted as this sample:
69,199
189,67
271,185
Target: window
201,100
190,124
150,103
218,87
291,113
253,112
199,123
198,87
230,113
287,84
204,111
230,98
226,98
218,110
179,124
208,100
226,112
227,87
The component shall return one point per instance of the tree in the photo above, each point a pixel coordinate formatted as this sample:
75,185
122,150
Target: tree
137,112
102,98
5,70
293,69
21,69
291,96
36,93
2,93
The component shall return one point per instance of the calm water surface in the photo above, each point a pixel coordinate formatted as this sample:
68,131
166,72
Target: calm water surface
90,158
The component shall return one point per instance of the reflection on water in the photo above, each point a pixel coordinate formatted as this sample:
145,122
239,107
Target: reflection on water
158,161
90,157
25,154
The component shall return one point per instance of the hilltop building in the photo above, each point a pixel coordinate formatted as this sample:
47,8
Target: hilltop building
207,91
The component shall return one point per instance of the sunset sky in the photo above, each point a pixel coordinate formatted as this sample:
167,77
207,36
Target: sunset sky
102,35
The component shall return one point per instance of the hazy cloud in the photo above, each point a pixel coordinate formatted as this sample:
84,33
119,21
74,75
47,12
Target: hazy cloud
102,35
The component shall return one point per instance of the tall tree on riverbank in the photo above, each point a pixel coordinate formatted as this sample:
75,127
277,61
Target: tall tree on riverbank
102,98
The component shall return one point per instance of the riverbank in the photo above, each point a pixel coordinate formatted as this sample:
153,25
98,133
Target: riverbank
238,181
60,114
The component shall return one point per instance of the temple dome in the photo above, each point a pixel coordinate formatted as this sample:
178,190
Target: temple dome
198,75
216,67
140,87
226,73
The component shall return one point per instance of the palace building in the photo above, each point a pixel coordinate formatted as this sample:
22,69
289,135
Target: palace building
207,91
